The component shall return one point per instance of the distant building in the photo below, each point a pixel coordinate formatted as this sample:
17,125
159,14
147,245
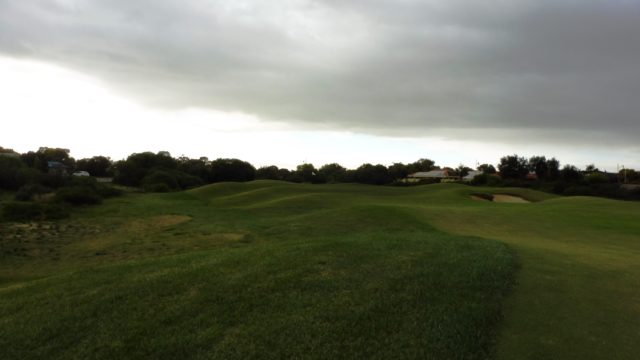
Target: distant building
442,175
56,167
471,175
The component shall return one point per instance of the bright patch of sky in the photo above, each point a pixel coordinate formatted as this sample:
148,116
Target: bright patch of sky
47,105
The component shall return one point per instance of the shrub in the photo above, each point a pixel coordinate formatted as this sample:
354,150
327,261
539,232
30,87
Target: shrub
172,180
160,177
157,187
558,187
512,183
186,181
102,190
31,191
577,190
78,195
83,181
494,180
9,166
30,211
54,181
479,179
597,178
107,191
400,183
485,179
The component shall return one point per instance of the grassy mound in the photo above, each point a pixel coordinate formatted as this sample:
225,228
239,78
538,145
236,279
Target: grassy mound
311,273
275,270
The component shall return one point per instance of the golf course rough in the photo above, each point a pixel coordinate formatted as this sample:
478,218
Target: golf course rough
275,270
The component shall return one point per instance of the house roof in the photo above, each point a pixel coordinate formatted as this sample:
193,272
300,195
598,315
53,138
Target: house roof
472,174
56,165
433,174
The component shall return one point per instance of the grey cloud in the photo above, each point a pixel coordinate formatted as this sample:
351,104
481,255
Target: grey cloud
384,67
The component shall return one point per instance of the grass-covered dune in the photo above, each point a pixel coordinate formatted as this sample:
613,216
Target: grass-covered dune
277,270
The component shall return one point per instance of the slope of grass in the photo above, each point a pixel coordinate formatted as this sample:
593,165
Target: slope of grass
275,270
578,292
257,270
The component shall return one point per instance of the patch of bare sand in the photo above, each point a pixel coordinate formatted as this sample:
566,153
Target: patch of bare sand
502,198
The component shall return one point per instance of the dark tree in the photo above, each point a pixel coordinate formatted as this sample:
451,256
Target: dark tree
421,165
513,167
398,171
487,169
288,175
462,170
591,168
538,165
231,170
39,159
372,174
14,173
8,151
553,169
629,176
570,173
195,167
95,166
268,173
137,166
332,173
307,173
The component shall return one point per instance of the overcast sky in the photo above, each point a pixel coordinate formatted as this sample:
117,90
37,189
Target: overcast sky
349,81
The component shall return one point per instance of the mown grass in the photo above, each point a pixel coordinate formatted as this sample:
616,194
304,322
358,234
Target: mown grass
277,270
578,294
257,270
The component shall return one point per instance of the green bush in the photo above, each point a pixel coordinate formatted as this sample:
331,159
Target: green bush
171,179
54,181
487,179
102,190
597,178
577,190
32,211
78,195
186,181
29,192
83,181
160,177
157,187
107,191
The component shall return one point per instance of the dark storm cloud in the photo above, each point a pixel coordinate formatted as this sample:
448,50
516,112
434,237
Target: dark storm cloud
384,67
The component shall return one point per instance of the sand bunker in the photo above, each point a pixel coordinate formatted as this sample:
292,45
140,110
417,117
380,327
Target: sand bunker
509,199
501,198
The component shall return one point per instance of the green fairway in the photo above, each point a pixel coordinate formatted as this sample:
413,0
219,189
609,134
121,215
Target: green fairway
276,270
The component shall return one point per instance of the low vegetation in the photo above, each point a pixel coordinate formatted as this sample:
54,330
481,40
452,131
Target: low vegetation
268,269
272,269
278,270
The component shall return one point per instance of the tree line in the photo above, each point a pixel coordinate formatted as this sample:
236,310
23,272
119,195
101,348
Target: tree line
161,172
